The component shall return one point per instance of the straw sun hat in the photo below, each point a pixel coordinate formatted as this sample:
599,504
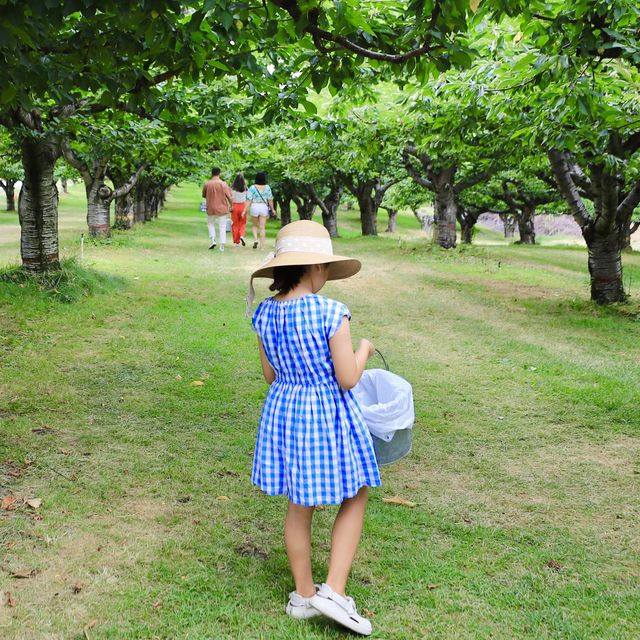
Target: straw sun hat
304,242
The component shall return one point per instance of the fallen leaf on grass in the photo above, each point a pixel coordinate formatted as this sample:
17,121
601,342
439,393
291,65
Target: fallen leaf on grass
431,586
178,377
15,474
34,503
554,565
157,605
87,627
78,586
10,601
368,612
8,503
24,573
64,452
197,383
223,498
204,376
400,501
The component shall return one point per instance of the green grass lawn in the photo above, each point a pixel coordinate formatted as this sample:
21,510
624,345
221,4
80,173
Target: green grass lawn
525,467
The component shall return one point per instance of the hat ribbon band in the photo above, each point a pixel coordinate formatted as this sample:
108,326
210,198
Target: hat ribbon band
304,244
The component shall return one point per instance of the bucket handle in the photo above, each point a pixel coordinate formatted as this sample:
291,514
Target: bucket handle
386,366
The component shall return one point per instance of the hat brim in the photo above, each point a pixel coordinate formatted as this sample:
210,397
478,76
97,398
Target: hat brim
340,267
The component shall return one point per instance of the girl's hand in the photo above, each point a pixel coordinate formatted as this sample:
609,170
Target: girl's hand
367,347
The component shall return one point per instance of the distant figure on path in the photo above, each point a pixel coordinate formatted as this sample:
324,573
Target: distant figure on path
238,213
260,203
218,196
313,444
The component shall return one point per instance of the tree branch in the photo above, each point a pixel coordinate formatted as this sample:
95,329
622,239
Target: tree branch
76,162
318,34
467,183
567,186
425,161
626,207
632,144
127,186
315,198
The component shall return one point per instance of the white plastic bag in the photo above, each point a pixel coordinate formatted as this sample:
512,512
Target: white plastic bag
386,401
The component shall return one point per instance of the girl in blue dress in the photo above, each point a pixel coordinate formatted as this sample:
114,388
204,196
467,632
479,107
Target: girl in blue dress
313,445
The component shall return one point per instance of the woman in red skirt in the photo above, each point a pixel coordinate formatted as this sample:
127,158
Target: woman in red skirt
238,216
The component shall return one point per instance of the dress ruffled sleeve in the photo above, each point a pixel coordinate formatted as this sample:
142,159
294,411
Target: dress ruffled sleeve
335,312
256,321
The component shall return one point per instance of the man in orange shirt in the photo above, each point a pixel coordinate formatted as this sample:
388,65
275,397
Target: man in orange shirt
218,196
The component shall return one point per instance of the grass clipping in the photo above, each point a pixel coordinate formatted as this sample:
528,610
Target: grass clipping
68,284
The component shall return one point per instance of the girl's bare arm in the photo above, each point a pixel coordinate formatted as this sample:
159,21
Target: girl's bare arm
267,370
347,364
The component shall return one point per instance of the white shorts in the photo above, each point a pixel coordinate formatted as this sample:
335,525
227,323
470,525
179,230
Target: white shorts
259,209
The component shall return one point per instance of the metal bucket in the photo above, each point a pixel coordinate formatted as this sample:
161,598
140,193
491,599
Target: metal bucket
397,448
388,452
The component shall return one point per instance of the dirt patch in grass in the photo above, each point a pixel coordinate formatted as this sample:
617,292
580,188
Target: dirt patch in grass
79,564
519,291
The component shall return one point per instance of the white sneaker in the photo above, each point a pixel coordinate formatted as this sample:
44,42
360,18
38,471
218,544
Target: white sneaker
298,607
342,610
222,247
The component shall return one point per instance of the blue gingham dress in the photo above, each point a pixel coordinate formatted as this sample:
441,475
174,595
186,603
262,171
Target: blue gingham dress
313,445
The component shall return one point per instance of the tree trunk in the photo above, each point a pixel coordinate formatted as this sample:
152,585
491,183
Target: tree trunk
510,224
368,208
624,234
98,208
526,225
124,212
424,219
305,207
328,206
284,205
38,206
330,220
446,213
10,192
393,220
140,200
368,216
605,265
466,231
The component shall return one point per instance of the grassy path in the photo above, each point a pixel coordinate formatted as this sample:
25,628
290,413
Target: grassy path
525,469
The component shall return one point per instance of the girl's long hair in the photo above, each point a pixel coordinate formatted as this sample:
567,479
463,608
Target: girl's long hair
239,184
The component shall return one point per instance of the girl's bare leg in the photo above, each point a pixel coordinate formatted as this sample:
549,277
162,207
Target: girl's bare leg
263,223
345,537
254,227
297,539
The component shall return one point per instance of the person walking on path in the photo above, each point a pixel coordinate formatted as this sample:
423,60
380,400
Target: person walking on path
259,204
218,196
238,213
313,445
